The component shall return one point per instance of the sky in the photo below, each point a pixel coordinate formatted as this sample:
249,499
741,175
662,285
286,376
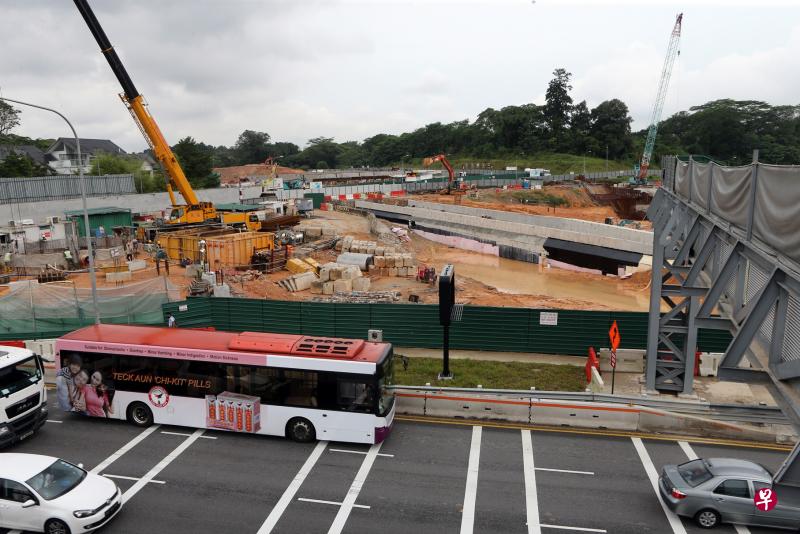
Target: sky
299,69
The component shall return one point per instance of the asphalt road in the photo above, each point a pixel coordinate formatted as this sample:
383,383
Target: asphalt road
426,478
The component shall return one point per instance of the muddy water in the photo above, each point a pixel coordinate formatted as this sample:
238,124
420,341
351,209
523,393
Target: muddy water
517,277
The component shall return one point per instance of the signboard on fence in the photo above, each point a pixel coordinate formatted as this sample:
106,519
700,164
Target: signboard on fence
548,318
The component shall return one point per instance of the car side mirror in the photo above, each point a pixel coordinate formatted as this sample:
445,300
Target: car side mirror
29,503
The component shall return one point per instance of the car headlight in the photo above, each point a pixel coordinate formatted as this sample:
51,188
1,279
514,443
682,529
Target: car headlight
82,513
3,429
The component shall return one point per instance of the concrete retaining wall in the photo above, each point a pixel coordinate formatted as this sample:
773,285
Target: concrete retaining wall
597,415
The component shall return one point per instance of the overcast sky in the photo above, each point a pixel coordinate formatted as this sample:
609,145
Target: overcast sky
299,69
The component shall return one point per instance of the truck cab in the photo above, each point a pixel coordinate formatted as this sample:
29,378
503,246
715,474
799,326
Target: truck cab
23,398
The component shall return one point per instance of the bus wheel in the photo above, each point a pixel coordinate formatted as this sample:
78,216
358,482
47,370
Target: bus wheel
139,414
301,430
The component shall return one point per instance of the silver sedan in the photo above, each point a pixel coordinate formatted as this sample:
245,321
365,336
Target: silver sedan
717,490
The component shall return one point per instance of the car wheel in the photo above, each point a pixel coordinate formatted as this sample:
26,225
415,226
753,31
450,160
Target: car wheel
139,414
301,430
56,526
707,518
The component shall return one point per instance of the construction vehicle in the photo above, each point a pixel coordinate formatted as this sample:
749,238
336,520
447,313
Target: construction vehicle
194,211
666,73
451,175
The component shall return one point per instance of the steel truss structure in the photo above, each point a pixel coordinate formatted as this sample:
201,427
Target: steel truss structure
714,275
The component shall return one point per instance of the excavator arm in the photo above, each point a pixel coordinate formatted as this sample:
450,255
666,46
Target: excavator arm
147,125
451,175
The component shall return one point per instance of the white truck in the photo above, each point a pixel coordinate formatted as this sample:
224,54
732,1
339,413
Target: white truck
23,398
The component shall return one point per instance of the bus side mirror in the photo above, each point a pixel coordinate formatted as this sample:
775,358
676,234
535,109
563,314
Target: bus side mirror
29,503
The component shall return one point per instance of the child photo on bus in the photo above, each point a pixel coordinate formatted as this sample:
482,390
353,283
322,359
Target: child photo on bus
65,382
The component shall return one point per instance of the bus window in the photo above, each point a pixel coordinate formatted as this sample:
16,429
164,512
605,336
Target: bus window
302,388
270,385
356,396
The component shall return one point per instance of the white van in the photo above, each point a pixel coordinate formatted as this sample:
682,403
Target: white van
23,398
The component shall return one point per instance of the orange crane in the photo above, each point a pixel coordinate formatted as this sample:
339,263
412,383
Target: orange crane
451,174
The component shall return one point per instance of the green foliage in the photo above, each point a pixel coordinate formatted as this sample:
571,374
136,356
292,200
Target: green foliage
17,165
196,161
105,163
9,117
558,107
252,147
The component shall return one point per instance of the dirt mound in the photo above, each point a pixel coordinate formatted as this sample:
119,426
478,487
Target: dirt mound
251,172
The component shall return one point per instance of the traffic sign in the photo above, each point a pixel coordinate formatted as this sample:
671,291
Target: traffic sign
613,336
614,360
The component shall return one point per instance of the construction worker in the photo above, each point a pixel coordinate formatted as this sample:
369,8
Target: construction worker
171,321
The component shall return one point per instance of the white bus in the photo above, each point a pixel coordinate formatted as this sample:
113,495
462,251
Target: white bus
23,398
301,387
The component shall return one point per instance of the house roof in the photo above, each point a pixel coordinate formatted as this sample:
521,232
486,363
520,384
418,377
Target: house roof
33,152
97,211
87,145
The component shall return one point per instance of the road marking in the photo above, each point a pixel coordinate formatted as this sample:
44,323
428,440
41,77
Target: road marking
564,470
332,502
589,432
360,452
184,434
574,528
125,448
531,497
160,466
355,488
471,490
689,452
132,478
652,474
54,421
291,490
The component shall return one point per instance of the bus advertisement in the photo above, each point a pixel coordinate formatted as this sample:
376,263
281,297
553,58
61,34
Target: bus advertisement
301,387
23,398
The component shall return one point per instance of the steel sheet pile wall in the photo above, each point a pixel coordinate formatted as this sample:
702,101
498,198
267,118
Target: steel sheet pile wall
40,188
417,325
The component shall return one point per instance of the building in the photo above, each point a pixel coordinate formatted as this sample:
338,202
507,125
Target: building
108,218
25,236
149,163
62,155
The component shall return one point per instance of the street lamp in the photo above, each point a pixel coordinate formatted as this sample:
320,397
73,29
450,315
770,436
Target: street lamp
89,248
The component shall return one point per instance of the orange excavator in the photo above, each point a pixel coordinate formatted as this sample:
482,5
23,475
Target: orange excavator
451,175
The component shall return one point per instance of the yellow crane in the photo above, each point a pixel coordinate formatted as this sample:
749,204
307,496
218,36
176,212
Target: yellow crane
193,211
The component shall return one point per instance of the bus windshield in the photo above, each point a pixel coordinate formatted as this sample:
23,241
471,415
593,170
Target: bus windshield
386,380
19,376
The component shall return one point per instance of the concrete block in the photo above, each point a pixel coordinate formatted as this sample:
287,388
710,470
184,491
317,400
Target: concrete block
371,250
402,271
328,231
137,265
314,231
343,286
389,260
709,363
373,268
316,287
628,360
384,271
338,246
380,261
379,251
303,281
392,271
124,276
334,274
327,288
361,284
347,274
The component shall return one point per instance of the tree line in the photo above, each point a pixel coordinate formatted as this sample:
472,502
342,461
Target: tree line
725,130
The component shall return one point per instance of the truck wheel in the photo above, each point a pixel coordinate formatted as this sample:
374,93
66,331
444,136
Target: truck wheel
301,430
139,414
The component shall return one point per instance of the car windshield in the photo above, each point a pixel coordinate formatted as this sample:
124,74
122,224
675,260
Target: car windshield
695,472
57,479
19,376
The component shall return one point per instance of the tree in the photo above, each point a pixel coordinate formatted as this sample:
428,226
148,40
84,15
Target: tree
105,163
252,147
196,161
557,107
580,126
611,127
15,165
9,117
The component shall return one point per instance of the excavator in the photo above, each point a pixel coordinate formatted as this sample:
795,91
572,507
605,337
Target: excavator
451,174
193,211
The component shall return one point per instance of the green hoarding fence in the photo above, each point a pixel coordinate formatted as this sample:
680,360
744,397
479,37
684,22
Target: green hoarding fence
417,325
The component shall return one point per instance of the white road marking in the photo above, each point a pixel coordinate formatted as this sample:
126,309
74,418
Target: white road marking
160,466
125,448
652,474
122,477
355,488
291,490
471,490
574,528
565,471
531,497
689,452
54,421
360,452
185,434
331,502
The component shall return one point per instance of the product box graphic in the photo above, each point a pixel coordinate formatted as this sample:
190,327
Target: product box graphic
233,411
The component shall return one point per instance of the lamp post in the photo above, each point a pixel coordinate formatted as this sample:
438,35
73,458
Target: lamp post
89,248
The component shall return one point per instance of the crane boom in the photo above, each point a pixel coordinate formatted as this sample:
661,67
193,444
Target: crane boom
147,125
666,73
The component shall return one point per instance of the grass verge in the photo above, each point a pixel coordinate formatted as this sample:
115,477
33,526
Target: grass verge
491,374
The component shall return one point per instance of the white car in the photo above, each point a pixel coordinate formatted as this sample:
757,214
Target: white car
46,494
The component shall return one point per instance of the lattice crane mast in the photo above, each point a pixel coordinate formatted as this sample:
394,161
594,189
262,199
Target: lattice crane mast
666,73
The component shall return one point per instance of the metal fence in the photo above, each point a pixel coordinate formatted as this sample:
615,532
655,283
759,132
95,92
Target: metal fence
41,188
417,325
